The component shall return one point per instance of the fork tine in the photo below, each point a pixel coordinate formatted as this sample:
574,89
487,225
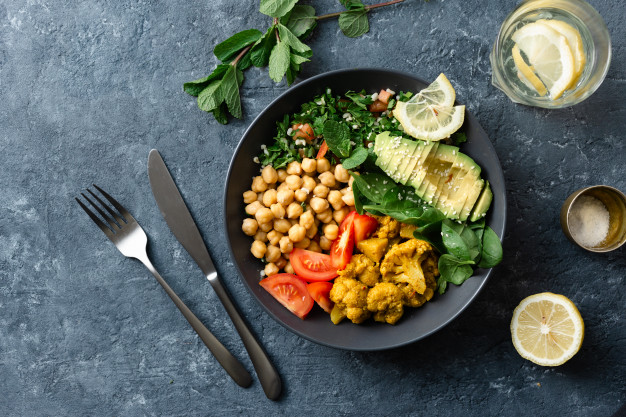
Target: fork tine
116,216
117,205
96,220
109,220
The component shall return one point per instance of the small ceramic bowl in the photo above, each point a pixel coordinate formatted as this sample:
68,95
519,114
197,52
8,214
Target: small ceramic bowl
615,202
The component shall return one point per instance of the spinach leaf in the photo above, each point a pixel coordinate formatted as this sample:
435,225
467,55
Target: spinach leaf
337,138
358,156
431,233
227,49
458,137
276,8
358,205
453,241
453,270
491,249
372,185
301,20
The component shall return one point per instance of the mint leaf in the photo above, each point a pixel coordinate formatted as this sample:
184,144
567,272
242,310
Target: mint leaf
230,91
261,50
337,136
301,20
293,41
211,97
357,158
354,23
230,47
276,8
220,114
194,88
279,61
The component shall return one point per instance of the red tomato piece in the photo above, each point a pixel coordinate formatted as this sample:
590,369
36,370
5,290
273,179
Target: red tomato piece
342,247
364,226
322,151
377,107
312,266
384,96
290,291
320,291
304,131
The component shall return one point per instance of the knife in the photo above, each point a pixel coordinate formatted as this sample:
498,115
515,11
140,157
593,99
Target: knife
178,218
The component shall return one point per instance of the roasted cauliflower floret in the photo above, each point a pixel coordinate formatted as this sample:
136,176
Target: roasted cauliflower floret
388,227
404,263
385,301
362,268
406,230
374,248
350,298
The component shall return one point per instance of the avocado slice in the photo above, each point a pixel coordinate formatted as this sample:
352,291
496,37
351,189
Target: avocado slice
473,192
416,180
403,156
383,148
483,203
437,170
454,188
406,168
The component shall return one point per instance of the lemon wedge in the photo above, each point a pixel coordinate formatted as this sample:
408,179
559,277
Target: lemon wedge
550,55
526,73
547,329
575,42
431,115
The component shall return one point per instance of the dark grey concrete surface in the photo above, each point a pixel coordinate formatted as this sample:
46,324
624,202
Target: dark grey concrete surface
87,88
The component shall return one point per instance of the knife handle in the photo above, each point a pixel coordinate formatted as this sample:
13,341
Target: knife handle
269,378
234,368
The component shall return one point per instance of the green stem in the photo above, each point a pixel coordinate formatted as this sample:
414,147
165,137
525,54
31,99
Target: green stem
373,6
241,54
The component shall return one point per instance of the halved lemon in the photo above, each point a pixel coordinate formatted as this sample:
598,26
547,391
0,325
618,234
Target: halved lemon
547,329
550,55
431,114
575,42
527,74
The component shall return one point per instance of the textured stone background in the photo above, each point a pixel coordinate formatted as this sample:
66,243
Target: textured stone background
87,88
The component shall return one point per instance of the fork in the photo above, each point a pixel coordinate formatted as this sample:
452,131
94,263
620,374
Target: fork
129,237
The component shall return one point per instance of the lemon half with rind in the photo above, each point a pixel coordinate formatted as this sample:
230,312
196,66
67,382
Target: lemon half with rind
547,329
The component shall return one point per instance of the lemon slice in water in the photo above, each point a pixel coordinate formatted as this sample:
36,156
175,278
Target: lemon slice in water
575,42
527,74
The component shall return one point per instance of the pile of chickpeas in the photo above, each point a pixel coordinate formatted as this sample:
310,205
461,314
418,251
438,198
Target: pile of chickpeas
300,206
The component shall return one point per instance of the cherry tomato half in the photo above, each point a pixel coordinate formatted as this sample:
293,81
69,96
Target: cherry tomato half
377,107
320,291
322,151
312,266
303,131
364,226
290,291
342,247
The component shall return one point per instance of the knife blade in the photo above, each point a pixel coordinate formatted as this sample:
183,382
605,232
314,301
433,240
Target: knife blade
181,223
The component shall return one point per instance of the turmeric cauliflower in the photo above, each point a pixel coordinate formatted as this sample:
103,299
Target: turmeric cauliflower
405,262
362,268
350,298
385,301
388,227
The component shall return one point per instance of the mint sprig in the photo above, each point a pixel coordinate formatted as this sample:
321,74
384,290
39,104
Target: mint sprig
280,48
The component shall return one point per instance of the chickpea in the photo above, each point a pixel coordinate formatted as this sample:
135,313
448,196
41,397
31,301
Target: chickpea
294,168
278,211
341,174
249,197
271,269
307,220
309,165
282,225
269,174
284,197
308,183
249,226
259,197
281,187
341,214
281,262
265,227
348,198
303,244
314,247
320,191
286,245
269,198
289,268
258,185
264,215
253,207
282,174
326,216
274,237
345,191
350,181
325,243
294,210
301,195
294,182
322,165
271,186
258,249
318,204
331,231
327,178
312,231
272,254
334,198
261,235
297,233
294,221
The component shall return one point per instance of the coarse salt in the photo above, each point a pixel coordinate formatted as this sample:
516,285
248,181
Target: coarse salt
588,220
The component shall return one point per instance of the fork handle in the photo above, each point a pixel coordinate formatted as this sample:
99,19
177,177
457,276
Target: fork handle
234,368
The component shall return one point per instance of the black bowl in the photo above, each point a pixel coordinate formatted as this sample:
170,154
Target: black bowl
317,327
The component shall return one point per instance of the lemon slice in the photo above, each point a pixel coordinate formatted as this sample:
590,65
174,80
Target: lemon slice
575,42
547,329
549,53
526,73
440,92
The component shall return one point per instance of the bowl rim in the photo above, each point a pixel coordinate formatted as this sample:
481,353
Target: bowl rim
311,80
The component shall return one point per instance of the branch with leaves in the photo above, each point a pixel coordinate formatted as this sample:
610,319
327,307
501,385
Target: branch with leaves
280,48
